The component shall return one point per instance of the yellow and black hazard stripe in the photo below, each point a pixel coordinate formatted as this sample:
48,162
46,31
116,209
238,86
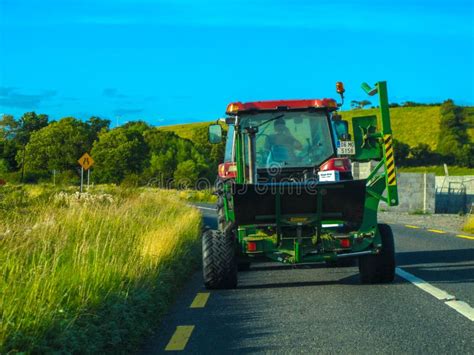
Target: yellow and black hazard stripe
389,160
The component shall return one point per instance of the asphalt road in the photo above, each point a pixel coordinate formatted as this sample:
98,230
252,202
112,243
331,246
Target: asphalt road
281,309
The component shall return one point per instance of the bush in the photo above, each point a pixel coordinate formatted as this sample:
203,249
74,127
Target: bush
401,151
423,155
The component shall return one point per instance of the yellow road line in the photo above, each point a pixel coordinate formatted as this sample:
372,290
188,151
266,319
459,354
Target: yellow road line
180,338
436,231
200,300
414,227
465,236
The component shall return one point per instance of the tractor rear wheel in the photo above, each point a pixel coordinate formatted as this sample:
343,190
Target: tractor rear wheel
219,267
379,268
221,222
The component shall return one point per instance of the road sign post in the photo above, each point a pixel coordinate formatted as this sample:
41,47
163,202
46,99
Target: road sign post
86,162
82,178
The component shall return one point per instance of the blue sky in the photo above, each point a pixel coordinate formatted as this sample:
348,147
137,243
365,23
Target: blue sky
172,61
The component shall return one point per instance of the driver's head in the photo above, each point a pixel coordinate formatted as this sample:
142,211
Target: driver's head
280,126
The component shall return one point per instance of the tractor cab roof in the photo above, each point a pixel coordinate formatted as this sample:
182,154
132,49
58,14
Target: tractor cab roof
279,105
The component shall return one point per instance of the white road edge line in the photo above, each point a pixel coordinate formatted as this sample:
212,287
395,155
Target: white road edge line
425,286
461,307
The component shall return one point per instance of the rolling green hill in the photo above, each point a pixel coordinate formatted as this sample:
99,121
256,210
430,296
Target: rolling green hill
410,125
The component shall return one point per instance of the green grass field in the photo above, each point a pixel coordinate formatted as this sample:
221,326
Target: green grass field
90,273
185,130
411,125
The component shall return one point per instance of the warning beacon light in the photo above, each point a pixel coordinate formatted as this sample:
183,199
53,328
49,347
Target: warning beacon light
340,90
340,87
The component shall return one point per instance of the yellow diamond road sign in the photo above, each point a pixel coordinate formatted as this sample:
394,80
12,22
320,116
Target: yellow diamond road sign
86,161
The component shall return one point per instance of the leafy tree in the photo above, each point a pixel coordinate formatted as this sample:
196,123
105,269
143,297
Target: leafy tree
118,153
57,146
16,135
213,152
140,126
3,166
97,125
453,140
186,174
401,150
8,146
423,155
169,150
29,123
360,104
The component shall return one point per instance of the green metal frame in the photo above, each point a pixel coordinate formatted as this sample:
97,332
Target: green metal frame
295,249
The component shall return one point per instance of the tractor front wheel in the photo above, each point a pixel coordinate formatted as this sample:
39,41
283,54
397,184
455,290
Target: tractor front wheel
379,268
219,266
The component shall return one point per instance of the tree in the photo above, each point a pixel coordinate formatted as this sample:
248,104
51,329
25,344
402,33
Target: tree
97,125
453,140
169,150
8,147
213,152
16,135
423,155
401,150
118,153
186,174
360,104
57,146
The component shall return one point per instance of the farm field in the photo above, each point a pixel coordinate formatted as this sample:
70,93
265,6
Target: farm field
90,272
411,125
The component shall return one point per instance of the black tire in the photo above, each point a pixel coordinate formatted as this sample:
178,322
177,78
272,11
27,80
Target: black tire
379,268
219,266
221,222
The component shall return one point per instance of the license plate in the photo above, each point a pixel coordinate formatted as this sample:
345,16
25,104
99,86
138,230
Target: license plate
346,148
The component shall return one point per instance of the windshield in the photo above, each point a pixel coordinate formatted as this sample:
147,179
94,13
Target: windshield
290,139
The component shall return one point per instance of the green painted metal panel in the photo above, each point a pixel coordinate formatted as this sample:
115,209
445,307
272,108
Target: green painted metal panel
366,138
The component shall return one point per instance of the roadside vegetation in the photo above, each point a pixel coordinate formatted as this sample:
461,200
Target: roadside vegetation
34,149
438,170
92,272
469,225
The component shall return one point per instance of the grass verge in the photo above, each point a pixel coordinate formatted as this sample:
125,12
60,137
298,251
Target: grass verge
469,225
90,273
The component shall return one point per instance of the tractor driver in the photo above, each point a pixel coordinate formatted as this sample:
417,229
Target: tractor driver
283,138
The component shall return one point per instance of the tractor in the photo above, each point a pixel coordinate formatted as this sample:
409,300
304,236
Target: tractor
286,192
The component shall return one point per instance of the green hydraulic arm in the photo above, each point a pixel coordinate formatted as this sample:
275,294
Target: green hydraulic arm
386,136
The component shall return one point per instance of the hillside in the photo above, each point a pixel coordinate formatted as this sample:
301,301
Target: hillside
185,130
410,125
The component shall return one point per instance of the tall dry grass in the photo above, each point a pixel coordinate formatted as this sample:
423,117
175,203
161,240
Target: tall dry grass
83,273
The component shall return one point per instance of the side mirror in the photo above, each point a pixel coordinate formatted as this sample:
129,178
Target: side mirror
342,129
215,134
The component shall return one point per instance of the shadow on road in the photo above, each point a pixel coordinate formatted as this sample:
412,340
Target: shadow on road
444,266
350,280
